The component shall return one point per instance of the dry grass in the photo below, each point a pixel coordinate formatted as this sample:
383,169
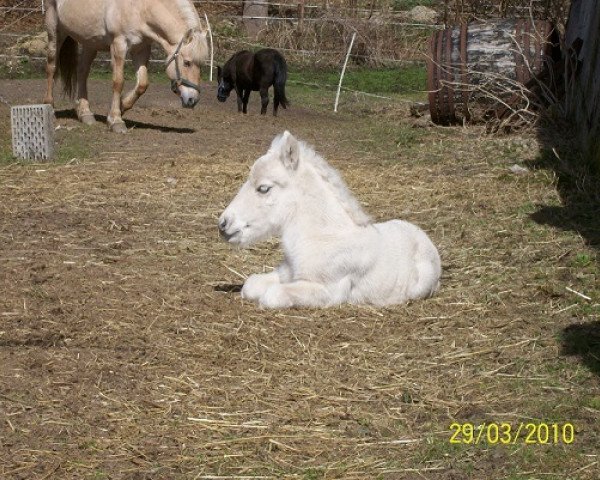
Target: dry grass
126,352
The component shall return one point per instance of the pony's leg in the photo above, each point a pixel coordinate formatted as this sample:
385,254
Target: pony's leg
118,50
53,45
245,100
264,100
140,63
275,105
86,58
239,93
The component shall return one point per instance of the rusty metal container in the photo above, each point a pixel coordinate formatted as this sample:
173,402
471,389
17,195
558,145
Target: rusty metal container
498,54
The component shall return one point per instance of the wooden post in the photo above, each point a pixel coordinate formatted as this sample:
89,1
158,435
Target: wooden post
210,37
301,15
337,95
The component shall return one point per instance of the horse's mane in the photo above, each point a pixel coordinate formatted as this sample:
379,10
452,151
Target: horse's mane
189,13
337,185
192,19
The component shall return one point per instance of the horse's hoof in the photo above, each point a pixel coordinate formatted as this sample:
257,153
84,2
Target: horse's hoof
118,127
87,119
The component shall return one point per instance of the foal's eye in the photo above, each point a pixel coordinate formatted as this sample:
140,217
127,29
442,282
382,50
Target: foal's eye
263,189
187,63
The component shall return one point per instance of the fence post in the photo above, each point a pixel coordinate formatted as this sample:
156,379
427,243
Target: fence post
43,8
211,47
337,96
301,15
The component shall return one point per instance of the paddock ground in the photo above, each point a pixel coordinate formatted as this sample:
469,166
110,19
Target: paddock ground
127,353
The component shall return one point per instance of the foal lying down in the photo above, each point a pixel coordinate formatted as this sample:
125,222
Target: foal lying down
333,252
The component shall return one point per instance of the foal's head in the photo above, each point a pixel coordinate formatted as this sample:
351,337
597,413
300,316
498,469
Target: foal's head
267,199
183,66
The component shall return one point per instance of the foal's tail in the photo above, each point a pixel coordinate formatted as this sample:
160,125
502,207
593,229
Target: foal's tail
67,65
280,79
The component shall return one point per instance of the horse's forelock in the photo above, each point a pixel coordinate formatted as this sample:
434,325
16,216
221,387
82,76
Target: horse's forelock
197,46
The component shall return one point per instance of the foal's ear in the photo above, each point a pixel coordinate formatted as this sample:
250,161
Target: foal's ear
219,73
290,151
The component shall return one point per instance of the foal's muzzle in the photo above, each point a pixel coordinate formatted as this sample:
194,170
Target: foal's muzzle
223,225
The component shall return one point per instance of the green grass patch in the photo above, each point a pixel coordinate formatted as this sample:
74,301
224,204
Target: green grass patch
22,69
74,145
408,80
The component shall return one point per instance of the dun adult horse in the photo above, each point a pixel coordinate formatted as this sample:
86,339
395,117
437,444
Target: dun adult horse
333,253
246,72
123,26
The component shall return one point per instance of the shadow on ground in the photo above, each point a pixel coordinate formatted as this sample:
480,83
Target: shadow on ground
578,187
583,340
72,114
228,288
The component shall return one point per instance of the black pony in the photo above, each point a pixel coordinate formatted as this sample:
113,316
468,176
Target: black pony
246,71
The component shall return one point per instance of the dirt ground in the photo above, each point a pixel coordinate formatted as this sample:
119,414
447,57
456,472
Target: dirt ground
126,351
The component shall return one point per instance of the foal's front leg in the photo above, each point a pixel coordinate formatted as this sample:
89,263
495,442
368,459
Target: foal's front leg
303,293
118,50
256,285
140,63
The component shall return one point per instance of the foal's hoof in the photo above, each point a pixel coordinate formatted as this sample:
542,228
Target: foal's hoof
87,119
118,127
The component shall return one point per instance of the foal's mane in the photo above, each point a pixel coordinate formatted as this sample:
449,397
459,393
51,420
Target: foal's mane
335,182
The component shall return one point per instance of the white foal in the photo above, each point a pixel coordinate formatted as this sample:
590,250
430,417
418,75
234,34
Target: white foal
333,253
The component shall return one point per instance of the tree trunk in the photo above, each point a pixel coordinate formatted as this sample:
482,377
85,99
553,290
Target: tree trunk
255,17
583,76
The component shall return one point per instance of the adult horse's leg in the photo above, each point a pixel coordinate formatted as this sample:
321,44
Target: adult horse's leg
118,50
53,46
140,62
264,99
86,58
245,99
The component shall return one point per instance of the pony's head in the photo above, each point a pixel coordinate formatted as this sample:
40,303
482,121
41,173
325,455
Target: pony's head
267,199
183,66
225,85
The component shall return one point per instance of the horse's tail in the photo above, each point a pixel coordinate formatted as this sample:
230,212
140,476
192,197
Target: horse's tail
67,65
280,79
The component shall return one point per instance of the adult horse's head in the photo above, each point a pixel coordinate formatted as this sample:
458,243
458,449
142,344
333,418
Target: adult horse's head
183,66
225,84
268,198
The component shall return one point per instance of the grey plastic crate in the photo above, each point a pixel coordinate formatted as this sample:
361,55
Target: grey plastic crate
32,132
